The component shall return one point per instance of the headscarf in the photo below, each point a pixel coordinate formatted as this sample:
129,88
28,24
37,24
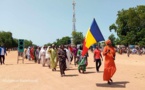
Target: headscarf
47,52
42,52
108,42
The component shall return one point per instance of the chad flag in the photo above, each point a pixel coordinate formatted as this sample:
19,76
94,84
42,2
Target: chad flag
93,36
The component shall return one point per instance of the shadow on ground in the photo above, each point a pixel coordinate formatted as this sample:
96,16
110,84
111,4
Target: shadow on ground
90,67
71,75
8,64
89,72
120,84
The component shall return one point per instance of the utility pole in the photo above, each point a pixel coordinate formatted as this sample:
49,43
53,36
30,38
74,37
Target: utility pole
74,19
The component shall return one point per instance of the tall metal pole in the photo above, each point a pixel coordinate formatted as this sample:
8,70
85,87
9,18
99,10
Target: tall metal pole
74,19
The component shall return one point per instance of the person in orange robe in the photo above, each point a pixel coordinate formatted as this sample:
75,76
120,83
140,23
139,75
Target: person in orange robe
109,64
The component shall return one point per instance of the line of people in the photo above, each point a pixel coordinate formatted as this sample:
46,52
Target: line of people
51,55
64,55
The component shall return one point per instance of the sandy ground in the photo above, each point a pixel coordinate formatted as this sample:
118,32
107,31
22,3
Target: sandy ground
130,75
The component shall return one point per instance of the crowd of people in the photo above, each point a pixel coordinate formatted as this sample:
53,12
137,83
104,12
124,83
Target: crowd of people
64,55
53,55
128,50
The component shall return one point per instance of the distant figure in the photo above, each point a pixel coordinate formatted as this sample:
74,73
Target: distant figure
32,53
79,54
143,50
28,53
75,54
120,50
25,53
70,48
37,55
128,51
47,57
2,54
109,67
97,58
69,55
42,55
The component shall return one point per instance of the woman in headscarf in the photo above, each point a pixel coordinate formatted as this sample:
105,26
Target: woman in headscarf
47,57
37,54
109,64
42,55
68,53
52,58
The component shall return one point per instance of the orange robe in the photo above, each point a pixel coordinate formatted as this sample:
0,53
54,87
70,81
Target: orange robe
109,65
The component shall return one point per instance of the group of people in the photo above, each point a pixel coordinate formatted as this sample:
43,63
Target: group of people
64,55
129,50
109,64
51,55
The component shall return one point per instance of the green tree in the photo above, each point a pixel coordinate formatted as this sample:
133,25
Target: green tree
77,37
63,41
117,41
6,39
14,42
28,43
48,44
130,26
112,38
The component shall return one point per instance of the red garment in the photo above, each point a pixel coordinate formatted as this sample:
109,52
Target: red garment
109,67
71,49
97,53
32,53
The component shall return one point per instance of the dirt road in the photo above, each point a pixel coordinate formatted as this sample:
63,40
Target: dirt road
130,75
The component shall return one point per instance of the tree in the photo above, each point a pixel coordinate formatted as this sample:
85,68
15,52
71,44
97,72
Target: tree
14,42
112,38
28,43
48,44
6,39
130,26
63,41
77,37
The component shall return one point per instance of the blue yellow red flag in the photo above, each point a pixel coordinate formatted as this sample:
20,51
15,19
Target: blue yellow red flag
93,36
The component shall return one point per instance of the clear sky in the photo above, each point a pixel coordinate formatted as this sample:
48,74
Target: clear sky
44,21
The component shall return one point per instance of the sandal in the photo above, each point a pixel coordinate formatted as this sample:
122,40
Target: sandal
109,82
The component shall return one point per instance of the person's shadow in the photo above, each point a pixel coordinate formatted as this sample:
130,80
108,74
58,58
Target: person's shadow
90,67
71,75
120,84
89,72
9,64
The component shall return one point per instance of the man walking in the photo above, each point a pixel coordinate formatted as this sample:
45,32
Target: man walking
2,54
62,60
97,56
